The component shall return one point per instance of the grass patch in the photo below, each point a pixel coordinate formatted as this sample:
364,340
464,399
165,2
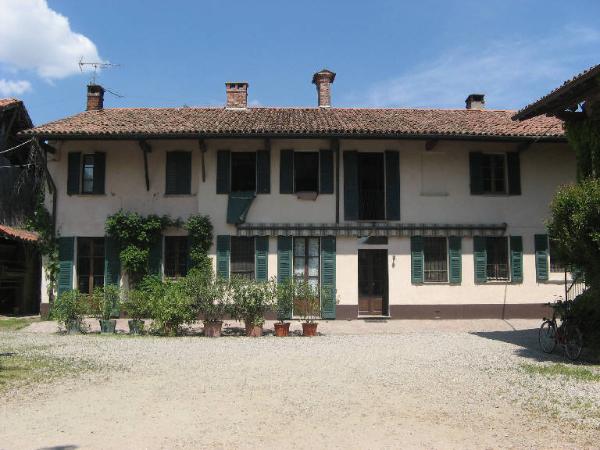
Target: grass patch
555,370
16,323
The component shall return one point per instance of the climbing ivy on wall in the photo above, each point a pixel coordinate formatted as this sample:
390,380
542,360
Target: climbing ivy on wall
584,136
200,230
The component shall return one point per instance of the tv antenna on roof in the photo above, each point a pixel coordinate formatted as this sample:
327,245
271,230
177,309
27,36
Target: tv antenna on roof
95,66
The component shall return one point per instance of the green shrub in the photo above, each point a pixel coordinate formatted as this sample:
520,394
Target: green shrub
136,304
200,231
209,294
585,311
169,306
70,306
307,301
285,299
252,299
104,303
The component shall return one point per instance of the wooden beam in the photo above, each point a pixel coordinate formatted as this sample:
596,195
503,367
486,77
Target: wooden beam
202,146
570,116
430,144
146,148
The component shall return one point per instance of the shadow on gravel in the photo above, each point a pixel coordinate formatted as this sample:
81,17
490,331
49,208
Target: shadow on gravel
60,447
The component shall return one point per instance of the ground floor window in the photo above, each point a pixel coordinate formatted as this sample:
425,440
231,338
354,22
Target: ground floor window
176,256
90,264
497,258
435,255
556,265
306,260
242,257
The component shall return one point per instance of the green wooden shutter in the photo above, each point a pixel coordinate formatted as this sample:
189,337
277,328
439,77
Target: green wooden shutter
480,259
514,173
284,263
326,171
263,172
171,174
184,173
351,185
541,257
155,257
66,250
516,259
286,172
455,259
99,172
223,251
392,185
261,252
112,263
476,173
223,171
73,173
328,286
416,259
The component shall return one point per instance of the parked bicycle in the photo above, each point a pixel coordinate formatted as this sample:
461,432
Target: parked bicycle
567,334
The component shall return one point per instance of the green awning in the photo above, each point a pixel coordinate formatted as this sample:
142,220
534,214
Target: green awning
238,205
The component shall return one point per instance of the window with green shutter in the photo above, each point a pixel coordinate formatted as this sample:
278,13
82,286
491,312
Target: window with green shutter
263,172
223,250
328,285
178,173
112,263
155,257
286,172
416,258
392,185
223,171
455,259
351,185
284,262
326,172
513,165
73,173
480,259
66,250
86,173
541,257
495,173
262,258
516,259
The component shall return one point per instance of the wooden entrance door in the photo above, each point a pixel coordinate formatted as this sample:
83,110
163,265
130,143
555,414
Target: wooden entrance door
372,282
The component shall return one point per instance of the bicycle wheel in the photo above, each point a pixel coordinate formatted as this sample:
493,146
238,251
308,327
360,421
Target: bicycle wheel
573,342
547,336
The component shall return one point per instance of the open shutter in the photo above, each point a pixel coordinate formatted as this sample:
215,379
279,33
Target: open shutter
455,259
392,185
328,288
263,172
516,259
284,263
99,172
223,251
514,173
66,250
476,173
223,171
286,172
74,173
261,252
326,171
171,174
112,263
416,259
351,185
184,173
480,257
541,257
155,257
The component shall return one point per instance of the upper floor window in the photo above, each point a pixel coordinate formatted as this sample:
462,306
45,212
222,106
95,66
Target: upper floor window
86,173
306,171
243,172
176,256
495,173
178,173
90,264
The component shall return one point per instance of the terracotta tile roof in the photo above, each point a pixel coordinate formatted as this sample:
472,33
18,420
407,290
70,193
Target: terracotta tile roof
350,122
23,119
5,102
567,94
18,234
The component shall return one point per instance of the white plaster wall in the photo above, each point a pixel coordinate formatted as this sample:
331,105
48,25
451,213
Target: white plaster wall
543,168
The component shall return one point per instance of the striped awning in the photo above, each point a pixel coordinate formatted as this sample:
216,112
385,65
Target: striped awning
363,229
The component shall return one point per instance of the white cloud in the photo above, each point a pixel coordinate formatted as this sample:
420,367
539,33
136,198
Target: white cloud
9,87
510,72
34,37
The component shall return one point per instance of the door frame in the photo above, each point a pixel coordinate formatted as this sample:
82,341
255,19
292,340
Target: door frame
385,307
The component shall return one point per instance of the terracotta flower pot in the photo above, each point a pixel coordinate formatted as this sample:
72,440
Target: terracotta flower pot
212,329
309,329
254,330
282,329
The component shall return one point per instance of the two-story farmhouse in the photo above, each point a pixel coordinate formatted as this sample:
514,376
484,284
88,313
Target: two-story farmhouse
408,213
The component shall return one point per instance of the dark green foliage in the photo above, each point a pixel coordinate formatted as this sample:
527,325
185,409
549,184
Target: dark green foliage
200,230
584,137
70,306
585,311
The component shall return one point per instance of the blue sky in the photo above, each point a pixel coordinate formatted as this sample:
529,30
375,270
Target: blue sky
422,53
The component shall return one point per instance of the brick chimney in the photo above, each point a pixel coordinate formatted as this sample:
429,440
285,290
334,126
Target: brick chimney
323,80
237,95
95,97
475,101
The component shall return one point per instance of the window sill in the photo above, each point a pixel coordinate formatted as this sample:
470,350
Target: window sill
178,195
432,194
87,195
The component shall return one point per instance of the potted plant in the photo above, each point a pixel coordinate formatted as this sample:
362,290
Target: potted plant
252,299
307,304
169,305
284,305
211,298
136,308
105,304
68,310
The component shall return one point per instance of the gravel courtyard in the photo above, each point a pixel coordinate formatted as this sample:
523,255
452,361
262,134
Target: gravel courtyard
361,385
